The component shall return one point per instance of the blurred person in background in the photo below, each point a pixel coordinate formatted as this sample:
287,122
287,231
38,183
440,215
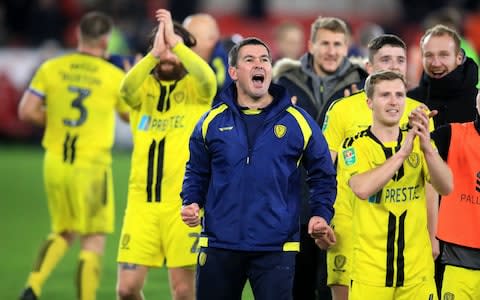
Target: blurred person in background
168,91
366,33
75,97
322,75
289,40
209,46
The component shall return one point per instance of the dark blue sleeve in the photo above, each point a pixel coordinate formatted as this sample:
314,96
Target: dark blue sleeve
197,172
321,174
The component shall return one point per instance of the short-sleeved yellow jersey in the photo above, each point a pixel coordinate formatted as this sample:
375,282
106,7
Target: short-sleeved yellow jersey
162,118
345,117
81,93
391,241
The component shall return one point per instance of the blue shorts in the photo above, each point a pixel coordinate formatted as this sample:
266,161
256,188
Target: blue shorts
222,274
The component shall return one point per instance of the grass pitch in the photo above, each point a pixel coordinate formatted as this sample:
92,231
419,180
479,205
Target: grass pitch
24,224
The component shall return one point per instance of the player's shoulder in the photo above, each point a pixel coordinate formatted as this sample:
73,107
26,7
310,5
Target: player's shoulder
349,102
358,139
410,102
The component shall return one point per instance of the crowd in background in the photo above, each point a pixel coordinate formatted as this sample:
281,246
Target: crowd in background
45,28
320,67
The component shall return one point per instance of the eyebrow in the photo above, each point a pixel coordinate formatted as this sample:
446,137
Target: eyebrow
252,56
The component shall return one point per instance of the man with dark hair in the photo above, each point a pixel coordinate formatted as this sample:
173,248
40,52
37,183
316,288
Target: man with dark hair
344,118
168,91
448,85
244,173
75,96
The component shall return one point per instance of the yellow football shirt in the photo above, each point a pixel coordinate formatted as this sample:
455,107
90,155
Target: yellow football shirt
345,118
81,93
391,241
163,117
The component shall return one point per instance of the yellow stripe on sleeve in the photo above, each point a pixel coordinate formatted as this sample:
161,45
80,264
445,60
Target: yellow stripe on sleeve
213,113
306,130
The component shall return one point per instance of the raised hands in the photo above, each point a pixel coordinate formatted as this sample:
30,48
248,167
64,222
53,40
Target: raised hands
159,45
419,121
164,16
165,39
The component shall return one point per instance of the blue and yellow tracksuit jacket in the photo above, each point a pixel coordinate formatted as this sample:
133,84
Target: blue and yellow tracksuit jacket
251,193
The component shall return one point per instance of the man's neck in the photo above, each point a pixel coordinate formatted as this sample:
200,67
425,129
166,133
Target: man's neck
244,100
94,51
385,133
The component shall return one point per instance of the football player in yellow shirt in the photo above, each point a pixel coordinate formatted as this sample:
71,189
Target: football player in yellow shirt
345,118
75,97
168,91
388,168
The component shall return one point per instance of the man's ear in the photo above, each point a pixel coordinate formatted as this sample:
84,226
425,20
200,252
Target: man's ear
232,71
368,67
369,103
310,46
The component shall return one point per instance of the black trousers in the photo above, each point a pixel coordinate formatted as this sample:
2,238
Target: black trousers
310,281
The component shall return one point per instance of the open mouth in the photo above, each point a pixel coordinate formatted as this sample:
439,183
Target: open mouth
258,79
392,111
438,73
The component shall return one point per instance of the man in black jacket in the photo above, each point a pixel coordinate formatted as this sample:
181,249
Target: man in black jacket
449,78
448,85
322,75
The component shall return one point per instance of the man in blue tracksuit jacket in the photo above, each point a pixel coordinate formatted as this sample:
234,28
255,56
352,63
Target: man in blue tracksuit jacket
243,171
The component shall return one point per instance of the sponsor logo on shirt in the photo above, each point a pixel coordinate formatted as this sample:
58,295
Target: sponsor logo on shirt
349,156
160,124
144,123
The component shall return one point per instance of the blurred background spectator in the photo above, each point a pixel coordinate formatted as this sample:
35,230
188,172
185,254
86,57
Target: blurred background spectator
25,25
288,40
